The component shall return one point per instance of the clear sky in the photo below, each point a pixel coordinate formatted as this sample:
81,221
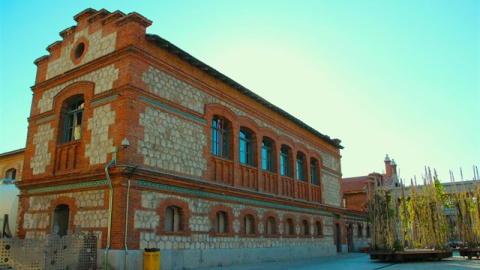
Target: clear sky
385,77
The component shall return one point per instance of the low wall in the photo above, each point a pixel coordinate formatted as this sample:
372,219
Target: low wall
194,258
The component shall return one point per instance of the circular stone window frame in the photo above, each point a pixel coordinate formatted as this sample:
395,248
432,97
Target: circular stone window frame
82,45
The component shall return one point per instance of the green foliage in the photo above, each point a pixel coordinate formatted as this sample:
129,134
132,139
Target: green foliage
397,246
414,221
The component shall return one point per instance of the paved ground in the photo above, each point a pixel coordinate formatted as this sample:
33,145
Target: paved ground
357,261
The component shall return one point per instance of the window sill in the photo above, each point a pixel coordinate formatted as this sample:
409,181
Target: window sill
249,235
223,235
182,233
221,158
62,144
248,165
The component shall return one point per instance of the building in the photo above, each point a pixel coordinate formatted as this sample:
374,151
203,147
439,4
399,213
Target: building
357,190
11,168
136,140
11,165
356,193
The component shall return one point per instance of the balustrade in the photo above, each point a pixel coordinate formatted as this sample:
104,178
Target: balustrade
302,190
67,156
316,193
248,177
222,170
270,182
288,187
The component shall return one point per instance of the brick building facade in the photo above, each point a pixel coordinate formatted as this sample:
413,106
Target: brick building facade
213,174
358,190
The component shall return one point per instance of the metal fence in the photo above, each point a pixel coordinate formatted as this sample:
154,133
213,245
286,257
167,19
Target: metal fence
72,251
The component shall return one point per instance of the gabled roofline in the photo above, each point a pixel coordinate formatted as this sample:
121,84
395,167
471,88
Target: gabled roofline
165,44
18,151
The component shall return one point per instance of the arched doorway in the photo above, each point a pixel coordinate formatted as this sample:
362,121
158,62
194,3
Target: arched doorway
338,241
61,219
350,238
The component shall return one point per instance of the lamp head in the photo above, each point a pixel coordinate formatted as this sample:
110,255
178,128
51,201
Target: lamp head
125,143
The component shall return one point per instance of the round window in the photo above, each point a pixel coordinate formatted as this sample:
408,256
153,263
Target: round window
79,50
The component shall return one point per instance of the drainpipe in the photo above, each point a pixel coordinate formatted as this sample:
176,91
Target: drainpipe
110,202
126,213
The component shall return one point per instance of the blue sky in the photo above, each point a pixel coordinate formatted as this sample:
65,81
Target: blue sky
385,77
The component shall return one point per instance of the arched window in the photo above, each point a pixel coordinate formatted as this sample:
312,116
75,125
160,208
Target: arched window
61,219
221,222
246,147
249,224
285,159
267,154
318,228
220,137
289,227
11,174
173,217
271,226
368,231
301,167
359,230
74,120
314,172
305,230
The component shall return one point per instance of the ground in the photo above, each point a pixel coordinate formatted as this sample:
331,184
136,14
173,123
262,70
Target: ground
358,261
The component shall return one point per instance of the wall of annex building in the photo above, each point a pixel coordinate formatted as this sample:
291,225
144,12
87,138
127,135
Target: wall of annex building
356,201
9,162
358,234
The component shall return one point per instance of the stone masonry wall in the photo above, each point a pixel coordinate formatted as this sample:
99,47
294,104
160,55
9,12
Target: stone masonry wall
97,46
103,79
42,157
170,88
100,144
363,240
37,220
173,89
172,143
146,219
331,189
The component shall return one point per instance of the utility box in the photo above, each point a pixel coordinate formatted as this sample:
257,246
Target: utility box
151,259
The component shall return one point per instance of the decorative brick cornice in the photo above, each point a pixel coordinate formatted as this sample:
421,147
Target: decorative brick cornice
216,196
42,59
161,105
113,17
67,32
102,100
45,119
53,46
134,17
85,13
68,187
331,173
99,15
